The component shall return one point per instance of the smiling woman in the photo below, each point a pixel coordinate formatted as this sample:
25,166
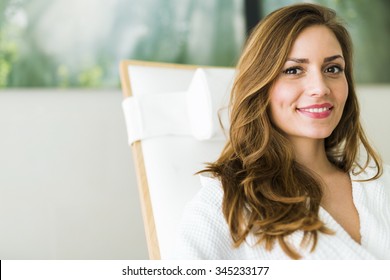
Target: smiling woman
290,182
307,102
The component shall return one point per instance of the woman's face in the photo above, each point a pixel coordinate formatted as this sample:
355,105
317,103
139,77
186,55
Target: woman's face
308,97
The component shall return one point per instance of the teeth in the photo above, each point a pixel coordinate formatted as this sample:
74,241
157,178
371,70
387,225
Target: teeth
315,110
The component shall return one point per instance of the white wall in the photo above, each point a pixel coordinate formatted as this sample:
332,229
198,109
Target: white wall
67,183
375,116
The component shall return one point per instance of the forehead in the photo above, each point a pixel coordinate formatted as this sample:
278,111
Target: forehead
317,40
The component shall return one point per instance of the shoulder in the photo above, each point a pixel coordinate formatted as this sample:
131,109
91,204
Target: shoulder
386,173
377,191
207,203
211,191
203,232
370,172
384,180
209,198
386,170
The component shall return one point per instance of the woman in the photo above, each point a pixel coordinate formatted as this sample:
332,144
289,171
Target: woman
289,183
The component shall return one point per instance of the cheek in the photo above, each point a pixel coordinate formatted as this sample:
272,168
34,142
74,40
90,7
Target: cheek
279,104
343,90
280,97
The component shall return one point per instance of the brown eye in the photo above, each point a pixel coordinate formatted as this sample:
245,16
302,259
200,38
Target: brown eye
334,69
292,71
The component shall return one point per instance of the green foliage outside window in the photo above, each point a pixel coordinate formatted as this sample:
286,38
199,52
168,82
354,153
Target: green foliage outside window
72,43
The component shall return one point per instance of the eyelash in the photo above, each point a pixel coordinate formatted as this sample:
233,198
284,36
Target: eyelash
339,69
295,68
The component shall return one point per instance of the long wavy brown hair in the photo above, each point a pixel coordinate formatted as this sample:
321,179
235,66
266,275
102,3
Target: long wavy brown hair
266,191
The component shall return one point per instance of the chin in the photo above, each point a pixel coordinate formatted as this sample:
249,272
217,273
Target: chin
315,133
321,135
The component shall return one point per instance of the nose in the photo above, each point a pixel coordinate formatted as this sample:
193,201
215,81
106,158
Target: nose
317,85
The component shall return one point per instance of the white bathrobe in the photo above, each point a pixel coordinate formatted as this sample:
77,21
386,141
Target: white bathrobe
204,233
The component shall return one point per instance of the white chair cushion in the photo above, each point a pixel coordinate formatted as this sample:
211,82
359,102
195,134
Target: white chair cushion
193,111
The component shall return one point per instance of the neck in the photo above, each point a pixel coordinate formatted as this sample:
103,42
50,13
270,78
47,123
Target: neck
311,154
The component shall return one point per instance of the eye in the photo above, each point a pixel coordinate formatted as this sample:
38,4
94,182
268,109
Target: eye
334,69
293,71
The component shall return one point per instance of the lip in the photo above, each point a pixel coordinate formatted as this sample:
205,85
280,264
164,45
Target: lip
318,114
314,106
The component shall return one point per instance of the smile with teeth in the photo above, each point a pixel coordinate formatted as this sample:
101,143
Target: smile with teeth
315,110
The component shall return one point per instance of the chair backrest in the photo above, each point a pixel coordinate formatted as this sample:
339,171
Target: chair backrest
166,123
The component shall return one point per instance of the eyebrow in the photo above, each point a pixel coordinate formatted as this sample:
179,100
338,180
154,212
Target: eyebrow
305,60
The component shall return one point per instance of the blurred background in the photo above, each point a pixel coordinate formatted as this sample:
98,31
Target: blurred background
71,43
67,183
